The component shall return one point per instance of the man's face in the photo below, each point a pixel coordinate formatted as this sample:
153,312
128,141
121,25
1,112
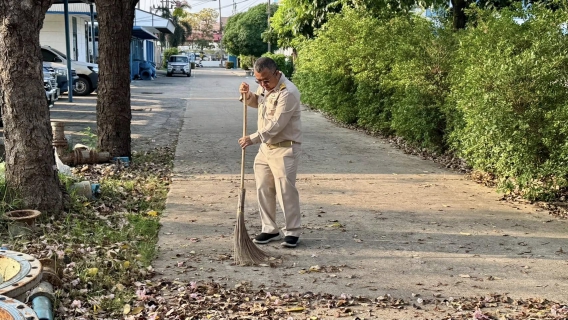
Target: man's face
267,78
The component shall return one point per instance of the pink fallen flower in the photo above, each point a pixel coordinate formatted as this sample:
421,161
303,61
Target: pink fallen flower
478,315
76,304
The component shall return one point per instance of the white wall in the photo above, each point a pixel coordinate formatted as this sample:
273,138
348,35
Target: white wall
157,54
81,39
145,51
53,34
284,51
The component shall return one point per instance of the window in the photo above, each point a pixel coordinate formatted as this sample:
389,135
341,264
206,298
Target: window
178,59
59,53
48,55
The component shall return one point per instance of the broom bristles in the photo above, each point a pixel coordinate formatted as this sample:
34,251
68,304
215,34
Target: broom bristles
245,251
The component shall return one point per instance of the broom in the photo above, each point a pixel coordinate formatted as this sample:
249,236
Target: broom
245,251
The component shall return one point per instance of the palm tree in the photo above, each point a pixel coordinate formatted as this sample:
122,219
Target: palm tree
182,28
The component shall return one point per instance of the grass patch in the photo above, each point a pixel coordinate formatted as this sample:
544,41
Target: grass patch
103,247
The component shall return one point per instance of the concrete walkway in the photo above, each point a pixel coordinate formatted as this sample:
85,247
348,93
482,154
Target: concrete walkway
377,221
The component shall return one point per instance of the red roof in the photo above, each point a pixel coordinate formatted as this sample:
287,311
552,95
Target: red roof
198,35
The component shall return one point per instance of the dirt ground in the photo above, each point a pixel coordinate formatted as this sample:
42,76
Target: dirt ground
377,222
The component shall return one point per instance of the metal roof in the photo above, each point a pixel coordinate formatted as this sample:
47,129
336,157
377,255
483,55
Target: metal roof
152,22
142,33
74,8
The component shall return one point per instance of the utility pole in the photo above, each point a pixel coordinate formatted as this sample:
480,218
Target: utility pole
268,12
220,33
94,55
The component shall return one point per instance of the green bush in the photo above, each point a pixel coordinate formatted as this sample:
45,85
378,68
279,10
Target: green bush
417,80
167,54
391,79
323,72
229,64
246,62
494,94
371,59
284,63
509,88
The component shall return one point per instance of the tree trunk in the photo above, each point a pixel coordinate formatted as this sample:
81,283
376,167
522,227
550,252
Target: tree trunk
459,17
113,103
30,160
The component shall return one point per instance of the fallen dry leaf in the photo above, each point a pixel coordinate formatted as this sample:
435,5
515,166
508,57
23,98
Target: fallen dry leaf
295,309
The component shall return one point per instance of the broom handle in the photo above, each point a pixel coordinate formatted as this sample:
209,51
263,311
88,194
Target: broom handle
244,98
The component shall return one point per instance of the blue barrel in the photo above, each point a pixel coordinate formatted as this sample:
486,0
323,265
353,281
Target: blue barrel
134,69
145,70
234,60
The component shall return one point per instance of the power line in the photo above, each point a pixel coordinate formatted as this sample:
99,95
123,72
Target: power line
232,5
201,3
250,5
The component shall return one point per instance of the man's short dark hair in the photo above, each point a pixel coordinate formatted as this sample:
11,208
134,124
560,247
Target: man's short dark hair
265,63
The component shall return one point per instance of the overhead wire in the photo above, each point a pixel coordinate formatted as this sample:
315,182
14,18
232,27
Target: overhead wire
250,5
230,5
201,3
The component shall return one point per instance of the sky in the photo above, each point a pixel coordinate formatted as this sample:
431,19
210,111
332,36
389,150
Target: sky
197,5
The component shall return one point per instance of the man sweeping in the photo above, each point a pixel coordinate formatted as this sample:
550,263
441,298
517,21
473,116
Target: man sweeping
275,166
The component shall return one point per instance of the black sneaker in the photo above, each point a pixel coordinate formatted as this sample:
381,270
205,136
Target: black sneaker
290,241
266,238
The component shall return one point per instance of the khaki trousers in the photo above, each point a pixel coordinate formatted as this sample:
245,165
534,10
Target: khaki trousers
275,175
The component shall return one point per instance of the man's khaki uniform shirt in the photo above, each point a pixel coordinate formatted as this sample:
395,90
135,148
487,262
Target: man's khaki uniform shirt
278,113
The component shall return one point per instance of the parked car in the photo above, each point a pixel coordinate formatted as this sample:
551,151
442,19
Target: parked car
50,86
50,76
178,63
61,75
88,72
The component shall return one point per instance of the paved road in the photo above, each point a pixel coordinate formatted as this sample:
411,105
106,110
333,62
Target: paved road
376,221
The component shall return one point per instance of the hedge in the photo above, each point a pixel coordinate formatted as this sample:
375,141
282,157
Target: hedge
284,63
494,94
167,54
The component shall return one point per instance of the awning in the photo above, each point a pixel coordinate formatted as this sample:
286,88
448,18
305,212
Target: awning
74,9
142,33
153,23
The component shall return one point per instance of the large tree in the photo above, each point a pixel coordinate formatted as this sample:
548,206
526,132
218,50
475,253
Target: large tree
183,28
203,22
458,7
30,161
245,33
299,19
113,104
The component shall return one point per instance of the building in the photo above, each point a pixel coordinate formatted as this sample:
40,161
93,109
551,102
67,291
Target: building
83,48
